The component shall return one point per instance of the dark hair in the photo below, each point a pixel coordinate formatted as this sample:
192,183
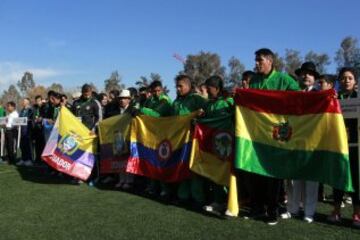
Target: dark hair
265,52
348,69
133,91
38,96
101,96
155,84
185,77
50,93
115,92
182,77
57,95
215,81
248,74
64,96
142,89
86,88
11,103
26,98
329,78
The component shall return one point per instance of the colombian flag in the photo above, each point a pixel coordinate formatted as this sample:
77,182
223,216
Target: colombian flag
71,147
292,135
114,134
212,154
160,147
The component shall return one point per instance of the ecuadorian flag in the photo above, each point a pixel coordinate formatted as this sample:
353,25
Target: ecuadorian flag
114,134
292,135
71,147
160,147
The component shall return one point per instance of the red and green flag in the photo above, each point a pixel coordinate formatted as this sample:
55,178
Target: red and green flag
212,154
292,135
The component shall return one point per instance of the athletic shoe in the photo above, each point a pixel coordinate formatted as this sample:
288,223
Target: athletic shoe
348,200
334,218
285,215
356,220
215,208
271,221
20,163
308,219
28,163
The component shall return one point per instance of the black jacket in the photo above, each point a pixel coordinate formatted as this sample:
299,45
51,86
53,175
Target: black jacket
89,110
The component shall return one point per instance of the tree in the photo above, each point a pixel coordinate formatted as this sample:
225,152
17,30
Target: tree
35,91
292,61
278,62
349,54
143,82
236,68
203,65
12,94
26,83
114,82
57,87
321,60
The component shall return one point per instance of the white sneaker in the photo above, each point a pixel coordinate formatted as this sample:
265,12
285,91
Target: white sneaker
20,163
28,163
308,219
215,208
229,214
286,215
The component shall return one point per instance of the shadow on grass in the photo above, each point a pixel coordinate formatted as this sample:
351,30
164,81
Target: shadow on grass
42,174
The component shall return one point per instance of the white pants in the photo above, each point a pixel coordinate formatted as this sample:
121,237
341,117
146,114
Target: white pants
305,192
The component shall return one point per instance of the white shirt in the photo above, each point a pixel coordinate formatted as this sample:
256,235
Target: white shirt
10,118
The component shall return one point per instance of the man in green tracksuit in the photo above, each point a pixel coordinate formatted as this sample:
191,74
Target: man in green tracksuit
186,103
266,190
158,105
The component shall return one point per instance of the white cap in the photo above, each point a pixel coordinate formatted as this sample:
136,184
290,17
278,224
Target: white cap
125,94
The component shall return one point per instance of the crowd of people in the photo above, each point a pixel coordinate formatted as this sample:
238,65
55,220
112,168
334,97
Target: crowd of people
265,198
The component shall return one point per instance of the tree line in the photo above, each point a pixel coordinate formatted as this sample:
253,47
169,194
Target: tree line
199,67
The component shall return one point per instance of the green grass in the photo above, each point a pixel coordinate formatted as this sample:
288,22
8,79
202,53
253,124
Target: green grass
35,206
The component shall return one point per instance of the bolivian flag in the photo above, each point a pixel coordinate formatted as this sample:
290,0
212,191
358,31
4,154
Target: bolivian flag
292,135
160,147
114,135
212,154
71,146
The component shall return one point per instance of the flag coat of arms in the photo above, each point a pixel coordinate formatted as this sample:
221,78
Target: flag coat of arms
292,135
114,135
160,147
71,147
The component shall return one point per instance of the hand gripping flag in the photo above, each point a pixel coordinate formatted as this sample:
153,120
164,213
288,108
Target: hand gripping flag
292,135
71,147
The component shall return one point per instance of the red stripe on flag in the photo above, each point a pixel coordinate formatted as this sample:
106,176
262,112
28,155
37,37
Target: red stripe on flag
174,174
288,102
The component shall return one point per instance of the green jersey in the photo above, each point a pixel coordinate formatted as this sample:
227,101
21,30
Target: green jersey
274,81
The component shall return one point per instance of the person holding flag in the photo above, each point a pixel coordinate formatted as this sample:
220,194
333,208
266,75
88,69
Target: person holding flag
158,105
88,110
186,103
218,107
266,190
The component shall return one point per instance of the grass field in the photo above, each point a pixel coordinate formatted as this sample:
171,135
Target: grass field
36,206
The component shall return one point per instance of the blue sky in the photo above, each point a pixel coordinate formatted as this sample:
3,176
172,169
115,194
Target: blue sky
80,41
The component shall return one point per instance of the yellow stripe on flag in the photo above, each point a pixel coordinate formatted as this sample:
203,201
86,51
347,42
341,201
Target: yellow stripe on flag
259,127
159,129
209,165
